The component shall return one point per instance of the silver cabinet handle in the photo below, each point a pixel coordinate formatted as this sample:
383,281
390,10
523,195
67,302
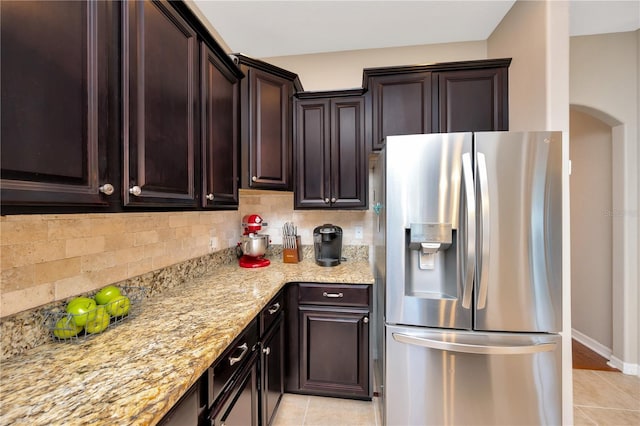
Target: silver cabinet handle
210,197
274,308
484,231
245,349
365,320
333,199
254,179
470,348
266,350
326,201
469,231
136,190
106,189
332,295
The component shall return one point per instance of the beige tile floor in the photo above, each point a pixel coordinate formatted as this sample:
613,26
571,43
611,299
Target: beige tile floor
600,398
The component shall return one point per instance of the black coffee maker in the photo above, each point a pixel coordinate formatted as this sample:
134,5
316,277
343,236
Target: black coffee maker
327,242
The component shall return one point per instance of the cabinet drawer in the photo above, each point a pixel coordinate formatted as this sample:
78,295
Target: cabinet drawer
232,360
334,294
271,312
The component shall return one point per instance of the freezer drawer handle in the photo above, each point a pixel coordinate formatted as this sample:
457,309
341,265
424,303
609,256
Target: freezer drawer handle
473,349
332,295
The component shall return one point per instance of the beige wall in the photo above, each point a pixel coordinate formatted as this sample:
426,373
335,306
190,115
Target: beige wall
536,35
343,70
591,228
605,83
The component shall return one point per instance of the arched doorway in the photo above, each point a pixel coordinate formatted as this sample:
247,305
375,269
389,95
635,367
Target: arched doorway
596,230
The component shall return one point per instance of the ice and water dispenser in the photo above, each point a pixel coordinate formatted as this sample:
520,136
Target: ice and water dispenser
431,260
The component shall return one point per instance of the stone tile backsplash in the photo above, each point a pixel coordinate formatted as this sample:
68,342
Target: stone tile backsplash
46,259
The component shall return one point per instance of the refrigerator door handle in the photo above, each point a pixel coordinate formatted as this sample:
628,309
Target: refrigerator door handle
469,231
483,273
473,348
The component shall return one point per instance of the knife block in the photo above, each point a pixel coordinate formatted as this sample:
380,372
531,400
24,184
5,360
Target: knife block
293,255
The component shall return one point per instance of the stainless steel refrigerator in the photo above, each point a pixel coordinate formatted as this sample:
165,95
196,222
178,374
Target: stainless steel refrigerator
469,268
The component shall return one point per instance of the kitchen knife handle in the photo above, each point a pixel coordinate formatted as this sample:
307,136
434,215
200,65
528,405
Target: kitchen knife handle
484,207
469,231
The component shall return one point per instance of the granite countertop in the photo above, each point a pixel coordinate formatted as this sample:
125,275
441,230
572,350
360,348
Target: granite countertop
135,372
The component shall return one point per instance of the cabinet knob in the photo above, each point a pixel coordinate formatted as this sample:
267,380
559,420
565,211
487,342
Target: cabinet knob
210,197
365,320
326,201
106,189
333,200
136,190
255,179
266,350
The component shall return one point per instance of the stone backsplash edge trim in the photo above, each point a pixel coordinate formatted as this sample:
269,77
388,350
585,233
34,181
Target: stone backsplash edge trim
26,330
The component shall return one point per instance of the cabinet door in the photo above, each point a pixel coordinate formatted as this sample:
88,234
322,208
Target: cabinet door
334,352
269,131
401,105
55,106
219,133
242,409
471,100
272,371
348,166
161,105
313,154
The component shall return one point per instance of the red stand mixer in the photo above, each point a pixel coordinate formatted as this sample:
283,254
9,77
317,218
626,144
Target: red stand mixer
253,245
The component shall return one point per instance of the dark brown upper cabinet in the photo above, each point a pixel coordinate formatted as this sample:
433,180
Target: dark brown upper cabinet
220,133
472,99
57,67
266,124
160,95
400,104
437,98
330,150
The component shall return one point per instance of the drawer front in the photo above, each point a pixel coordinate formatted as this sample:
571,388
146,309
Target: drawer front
233,359
334,294
271,312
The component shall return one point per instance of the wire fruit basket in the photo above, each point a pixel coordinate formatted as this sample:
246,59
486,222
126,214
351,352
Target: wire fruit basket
69,327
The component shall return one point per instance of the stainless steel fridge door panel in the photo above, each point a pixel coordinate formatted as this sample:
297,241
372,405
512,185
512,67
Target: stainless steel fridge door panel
519,226
470,378
427,256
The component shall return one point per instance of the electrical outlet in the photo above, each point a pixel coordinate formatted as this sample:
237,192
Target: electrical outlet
358,232
213,242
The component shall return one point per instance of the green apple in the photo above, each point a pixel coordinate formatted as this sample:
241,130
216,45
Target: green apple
100,321
119,306
82,309
66,328
108,293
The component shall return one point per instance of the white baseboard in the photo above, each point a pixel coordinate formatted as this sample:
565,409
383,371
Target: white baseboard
625,367
605,352
592,344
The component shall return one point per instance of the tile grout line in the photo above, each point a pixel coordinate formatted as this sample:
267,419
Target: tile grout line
306,408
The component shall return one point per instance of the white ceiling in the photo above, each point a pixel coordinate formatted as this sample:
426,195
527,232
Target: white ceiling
268,28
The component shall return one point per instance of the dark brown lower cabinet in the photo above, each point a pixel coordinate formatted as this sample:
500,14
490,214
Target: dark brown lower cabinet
272,366
328,340
242,408
334,355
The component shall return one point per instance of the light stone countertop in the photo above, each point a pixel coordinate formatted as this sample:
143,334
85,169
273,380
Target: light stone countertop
135,372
